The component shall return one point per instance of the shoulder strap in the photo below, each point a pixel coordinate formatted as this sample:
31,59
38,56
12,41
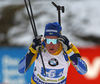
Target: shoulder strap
65,56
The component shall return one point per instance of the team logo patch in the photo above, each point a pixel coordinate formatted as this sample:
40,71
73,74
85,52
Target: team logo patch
51,33
45,51
53,62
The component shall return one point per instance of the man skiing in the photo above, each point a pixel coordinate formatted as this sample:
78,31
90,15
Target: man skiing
58,53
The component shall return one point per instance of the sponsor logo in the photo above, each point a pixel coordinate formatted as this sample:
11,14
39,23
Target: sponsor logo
51,31
9,70
93,69
41,80
52,73
53,62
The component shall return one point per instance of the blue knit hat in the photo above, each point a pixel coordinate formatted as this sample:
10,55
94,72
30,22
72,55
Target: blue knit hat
53,29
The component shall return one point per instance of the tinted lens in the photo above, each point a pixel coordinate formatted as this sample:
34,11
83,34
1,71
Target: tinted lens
54,41
48,41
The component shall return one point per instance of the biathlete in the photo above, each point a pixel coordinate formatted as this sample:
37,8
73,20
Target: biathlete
58,53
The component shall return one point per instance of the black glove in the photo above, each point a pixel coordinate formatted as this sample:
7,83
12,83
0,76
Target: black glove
64,41
34,46
37,42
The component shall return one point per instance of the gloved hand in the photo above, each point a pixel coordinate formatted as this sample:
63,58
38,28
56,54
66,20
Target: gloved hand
66,45
34,46
64,41
37,42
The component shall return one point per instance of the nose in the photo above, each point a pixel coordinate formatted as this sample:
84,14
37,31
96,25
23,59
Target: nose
51,44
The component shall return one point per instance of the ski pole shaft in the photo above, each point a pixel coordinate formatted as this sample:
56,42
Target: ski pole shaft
42,61
29,16
59,20
32,21
35,31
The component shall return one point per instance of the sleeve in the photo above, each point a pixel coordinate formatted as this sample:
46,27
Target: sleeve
27,60
76,60
75,50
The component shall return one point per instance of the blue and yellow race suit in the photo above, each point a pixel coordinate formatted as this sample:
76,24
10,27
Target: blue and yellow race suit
56,64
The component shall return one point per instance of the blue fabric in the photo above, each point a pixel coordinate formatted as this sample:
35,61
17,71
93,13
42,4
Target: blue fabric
22,65
66,57
53,29
28,60
22,70
74,59
82,67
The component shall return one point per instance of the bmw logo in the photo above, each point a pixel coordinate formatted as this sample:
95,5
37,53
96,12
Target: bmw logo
53,62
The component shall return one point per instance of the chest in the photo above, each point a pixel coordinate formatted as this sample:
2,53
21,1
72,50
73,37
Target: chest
53,61
56,66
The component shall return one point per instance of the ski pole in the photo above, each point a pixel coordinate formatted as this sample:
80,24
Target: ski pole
32,21
59,8
31,14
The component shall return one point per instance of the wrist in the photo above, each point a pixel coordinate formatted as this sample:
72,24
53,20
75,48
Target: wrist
70,52
32,49
72,57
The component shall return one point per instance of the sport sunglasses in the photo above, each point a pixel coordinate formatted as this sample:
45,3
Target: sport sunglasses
48,41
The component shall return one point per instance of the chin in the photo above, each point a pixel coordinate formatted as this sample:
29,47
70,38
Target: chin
51,52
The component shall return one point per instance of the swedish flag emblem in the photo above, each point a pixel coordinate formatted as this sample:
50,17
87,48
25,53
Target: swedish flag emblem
50,33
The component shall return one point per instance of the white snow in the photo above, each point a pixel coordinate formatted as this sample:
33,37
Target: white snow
85,20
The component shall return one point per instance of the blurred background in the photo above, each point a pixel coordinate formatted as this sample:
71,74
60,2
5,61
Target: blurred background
80,23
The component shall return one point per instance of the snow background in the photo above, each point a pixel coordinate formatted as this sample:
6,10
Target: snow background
80,19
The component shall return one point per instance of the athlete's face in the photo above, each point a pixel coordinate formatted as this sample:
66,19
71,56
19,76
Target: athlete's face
52,47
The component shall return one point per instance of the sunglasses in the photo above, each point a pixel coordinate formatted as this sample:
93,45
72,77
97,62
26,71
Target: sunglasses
48,41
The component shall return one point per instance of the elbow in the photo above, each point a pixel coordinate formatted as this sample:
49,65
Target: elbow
82,67
21,69
21,66
83,71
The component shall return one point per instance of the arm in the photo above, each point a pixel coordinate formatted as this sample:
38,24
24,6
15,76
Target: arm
27,60
75,50
30,57
77,62
73,54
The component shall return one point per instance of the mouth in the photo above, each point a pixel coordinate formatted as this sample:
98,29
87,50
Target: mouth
51,49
